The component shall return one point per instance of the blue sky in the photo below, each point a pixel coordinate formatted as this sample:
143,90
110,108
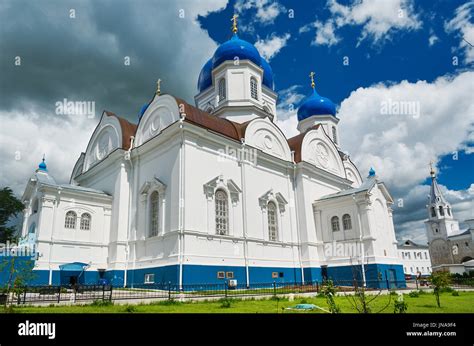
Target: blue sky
406,55
401,50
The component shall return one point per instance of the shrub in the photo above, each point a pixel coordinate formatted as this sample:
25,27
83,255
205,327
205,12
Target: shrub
400,306
414,294
455,294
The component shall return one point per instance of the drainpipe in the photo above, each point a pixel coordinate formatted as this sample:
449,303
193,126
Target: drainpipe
244,213
361,241
181,202
128,157
297,218
50,279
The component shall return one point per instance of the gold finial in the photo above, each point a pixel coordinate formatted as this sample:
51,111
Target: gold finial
158,87
311,75
432,172
234,23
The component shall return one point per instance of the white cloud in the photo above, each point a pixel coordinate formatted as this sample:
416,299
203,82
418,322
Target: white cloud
25,137
287,120
464,27
271,46
390,141
266,10
433,39
399,146
379,19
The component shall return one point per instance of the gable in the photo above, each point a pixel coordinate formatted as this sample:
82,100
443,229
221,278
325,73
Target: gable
264,135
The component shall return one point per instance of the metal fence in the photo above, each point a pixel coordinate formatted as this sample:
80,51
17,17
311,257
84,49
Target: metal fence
226,289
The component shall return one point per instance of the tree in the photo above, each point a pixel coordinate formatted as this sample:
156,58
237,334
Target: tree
10,206
19,272
440,280
329,291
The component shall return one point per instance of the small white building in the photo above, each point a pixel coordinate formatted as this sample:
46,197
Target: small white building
415,258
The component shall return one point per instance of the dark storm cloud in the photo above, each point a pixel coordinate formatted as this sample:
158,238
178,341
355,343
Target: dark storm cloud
82,58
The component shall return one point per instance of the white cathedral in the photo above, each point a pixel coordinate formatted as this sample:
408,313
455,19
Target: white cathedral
169,200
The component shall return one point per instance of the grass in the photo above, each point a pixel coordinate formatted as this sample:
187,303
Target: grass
423,303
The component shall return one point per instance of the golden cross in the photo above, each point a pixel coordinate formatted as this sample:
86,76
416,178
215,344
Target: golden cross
158,84
311,75
234,23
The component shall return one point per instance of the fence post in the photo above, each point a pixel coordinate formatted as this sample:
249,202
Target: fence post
111,288
103,292
24,295
169,290
388,286
225,288
416,281
59,294
274,288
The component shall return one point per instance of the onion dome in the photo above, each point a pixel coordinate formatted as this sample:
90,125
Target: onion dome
42,166
228,51
315,104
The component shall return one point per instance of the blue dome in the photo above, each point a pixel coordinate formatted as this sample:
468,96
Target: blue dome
235,47
316,105
143,110
267,73
205,77
42,166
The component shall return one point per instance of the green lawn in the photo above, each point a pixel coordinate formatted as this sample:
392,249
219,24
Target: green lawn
425,303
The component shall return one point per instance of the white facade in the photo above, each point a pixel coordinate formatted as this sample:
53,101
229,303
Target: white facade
415,258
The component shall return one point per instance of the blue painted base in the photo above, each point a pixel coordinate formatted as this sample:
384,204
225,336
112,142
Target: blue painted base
377,275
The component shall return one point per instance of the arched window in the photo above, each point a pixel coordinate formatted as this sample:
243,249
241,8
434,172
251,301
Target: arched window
272,221
448,209
222,90
441,210
253,88
222,213
86,222
346,222
70,220
154,213
335,224
433,212
334,136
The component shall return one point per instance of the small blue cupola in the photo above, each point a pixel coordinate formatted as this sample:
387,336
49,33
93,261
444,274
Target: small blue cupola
371,173
42,166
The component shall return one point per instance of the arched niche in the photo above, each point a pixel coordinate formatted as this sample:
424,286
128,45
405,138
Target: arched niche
264,135
320,151
162,112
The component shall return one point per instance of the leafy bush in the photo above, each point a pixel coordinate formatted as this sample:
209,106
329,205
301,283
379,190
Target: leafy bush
400,306
455,294
414,294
